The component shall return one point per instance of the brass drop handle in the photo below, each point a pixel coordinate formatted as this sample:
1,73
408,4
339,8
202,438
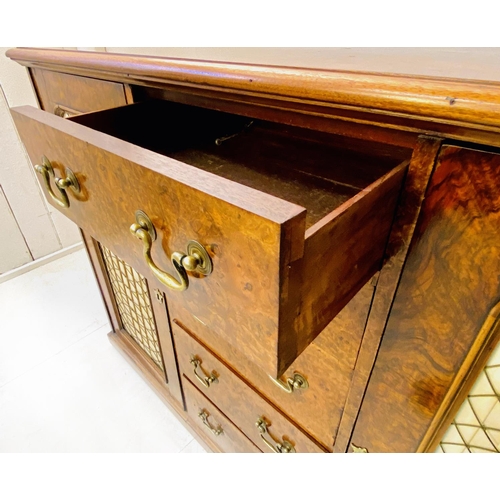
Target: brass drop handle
195,259
216,431
292,384
275,445
205,380
47,171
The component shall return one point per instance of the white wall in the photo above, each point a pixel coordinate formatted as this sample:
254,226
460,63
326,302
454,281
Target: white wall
34,228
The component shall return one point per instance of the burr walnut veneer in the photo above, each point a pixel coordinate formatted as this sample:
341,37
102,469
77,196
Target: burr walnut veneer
295,259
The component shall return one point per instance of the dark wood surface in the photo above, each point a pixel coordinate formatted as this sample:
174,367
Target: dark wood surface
240,403
231,439
327,364
415,185
76,94
435,339
450,282
245,229
470,102
342,252
478,357
119,178
162,322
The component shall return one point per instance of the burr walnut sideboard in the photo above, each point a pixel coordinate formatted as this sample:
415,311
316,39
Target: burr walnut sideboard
296,259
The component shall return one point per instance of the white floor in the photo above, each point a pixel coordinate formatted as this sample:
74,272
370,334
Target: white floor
63,386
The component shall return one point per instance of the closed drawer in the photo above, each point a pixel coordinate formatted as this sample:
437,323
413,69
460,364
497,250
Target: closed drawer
326,365
67,95
266,426
211,422
293,228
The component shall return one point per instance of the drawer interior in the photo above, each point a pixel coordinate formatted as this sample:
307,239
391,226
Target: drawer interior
300,166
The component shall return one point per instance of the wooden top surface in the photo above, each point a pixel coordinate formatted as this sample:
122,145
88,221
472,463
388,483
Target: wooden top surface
453,86
455,63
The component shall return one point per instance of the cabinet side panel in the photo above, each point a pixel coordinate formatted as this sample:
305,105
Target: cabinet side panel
450,282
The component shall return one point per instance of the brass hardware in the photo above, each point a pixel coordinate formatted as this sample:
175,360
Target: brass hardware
206,380
220,140
159,296
204,418
276,446
63,113
292,384
196,258
46,170
357,449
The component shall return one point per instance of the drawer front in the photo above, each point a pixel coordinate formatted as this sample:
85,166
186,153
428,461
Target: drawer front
246,233
237,399
68,95
212,423
266,284
327,366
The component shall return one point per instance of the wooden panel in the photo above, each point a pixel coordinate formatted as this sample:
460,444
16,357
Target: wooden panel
450,282
228,438
415,185
349,202
245,230
343,252
472,102
159,304
76,94
327,364
235,398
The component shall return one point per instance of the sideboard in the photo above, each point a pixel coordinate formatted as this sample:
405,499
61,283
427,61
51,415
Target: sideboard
296,259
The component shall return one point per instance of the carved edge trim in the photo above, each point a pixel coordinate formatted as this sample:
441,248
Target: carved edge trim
472,103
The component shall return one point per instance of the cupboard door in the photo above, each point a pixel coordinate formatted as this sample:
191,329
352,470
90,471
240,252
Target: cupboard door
450,283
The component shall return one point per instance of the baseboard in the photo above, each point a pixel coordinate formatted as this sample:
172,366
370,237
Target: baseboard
40,262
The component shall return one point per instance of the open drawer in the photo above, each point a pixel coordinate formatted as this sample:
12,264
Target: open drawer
291,225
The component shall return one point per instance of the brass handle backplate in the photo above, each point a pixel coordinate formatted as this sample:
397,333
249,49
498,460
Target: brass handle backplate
358,449
196,258
216,431
292,384
275,445
205,380
47,171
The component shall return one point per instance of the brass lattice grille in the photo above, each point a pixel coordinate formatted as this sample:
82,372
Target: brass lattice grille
132,299
476,427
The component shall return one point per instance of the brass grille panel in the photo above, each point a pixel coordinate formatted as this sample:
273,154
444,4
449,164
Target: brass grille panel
476,427
132,299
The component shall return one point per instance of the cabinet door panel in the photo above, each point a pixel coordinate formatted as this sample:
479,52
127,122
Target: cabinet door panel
450,282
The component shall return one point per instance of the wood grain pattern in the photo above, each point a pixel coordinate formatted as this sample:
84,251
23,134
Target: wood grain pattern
450,282
76,94
239,402
419,172
246,229
477,358
327,364
352,240
234,224
231,439
470,102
